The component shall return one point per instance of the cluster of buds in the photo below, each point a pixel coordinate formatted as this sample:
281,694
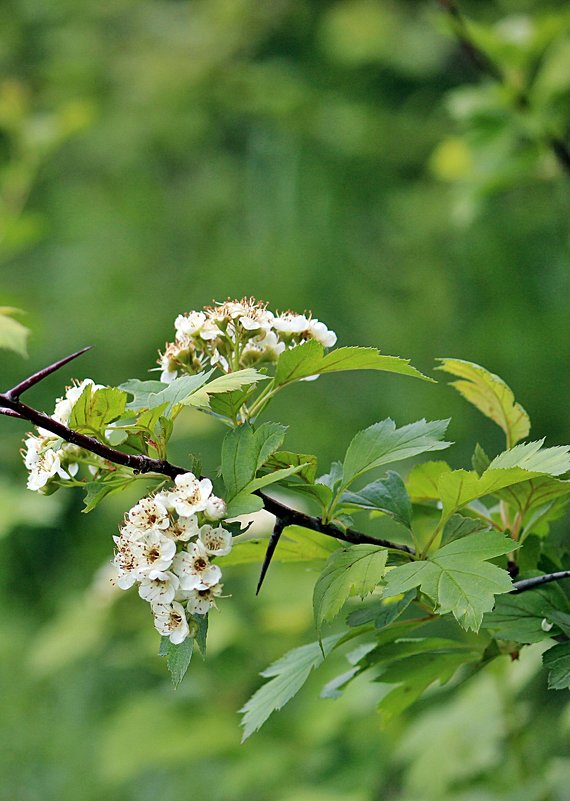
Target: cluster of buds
237,334
167,545
48,457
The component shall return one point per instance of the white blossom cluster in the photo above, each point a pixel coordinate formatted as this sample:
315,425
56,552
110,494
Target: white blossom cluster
167,545
46,455
237,334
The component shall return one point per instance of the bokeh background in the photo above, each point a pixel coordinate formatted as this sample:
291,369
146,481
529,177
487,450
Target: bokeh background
343,157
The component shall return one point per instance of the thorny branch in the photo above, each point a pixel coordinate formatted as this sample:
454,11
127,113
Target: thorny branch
486,66
11,405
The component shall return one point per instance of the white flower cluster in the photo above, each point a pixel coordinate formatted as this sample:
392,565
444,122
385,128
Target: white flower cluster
237,334
47,455
166,546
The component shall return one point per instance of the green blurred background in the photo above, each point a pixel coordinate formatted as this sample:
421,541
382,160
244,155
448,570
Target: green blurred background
342,157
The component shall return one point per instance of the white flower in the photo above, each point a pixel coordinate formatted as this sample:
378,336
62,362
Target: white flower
158,552
170,621
215,508
199,602
167,376
158,587
321,333
209,331
149,513
216,541
188,325
290,323
129,559
194,570
45,465
183,529
191,495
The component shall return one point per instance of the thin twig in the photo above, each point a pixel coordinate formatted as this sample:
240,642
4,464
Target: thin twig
20,388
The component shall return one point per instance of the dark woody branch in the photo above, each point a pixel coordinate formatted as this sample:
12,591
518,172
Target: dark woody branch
10,404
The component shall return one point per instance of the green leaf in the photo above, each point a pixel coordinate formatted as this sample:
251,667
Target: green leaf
95,491
460,487
224,384
388,495
382,612
457,578
177,657
480,461
13,335
557,660
458,527
332,479
244,451
244,503
489,393
522,616
229,404
306,461
150,394
309,359
422,482
201,633
349,571
93,411
383,443
287,676
533,457
297,544
272,478
416,673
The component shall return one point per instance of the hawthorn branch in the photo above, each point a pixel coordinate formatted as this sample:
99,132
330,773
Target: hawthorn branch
538,581
486,66
11,405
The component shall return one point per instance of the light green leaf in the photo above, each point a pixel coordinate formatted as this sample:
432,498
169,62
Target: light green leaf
177,657
223,384
557,660
489,393
422,482
297,544
460,487
150,394
13,335
93,411
457,578
533,457
535,493
309,359
388,495
287,676
349,571
383,443
272,478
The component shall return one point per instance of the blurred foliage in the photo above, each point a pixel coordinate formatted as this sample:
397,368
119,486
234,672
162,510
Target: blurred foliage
343,156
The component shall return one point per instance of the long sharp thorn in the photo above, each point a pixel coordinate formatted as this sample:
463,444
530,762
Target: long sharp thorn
271,546
20,388
11,413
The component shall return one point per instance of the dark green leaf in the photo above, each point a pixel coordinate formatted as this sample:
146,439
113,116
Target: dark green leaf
177,657
557,660
308,462
459,526
201,633
387,495
480,461
382,612
524,617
